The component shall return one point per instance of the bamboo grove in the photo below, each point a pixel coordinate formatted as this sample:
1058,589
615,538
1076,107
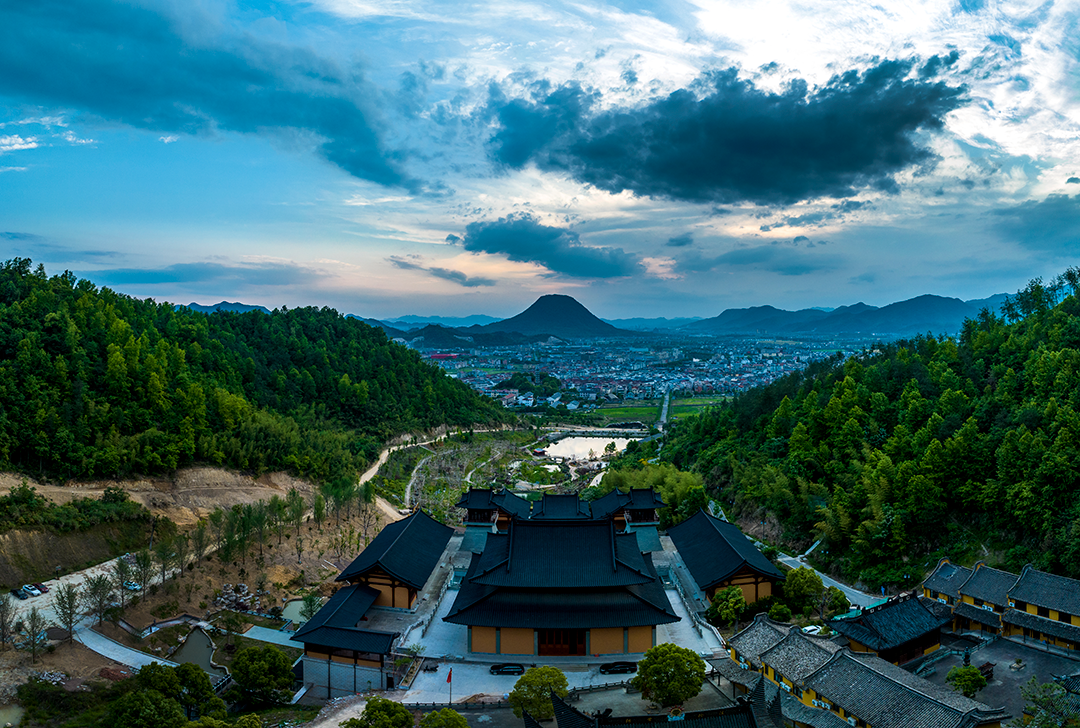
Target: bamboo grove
98,384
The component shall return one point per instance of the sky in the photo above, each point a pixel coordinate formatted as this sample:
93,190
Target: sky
449,157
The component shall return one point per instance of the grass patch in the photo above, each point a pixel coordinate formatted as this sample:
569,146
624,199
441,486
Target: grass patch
225,658
647,412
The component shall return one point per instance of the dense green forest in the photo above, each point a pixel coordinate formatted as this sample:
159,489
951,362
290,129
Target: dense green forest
916,449
98,384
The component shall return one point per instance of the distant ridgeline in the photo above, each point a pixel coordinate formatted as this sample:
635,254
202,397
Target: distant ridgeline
917,448
97,384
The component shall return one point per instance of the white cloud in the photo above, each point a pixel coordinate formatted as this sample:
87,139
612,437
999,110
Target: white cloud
169,139
72,138
15,142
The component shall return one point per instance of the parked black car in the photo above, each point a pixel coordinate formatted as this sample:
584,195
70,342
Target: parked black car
19,594
507,668
618,668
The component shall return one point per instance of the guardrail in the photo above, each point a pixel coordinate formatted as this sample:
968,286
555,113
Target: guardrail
700,624
457,706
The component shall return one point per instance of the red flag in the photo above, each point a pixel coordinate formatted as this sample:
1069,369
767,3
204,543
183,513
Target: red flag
449,674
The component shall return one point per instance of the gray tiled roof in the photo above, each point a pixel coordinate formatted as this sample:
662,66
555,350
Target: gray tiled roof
798,655
483,499
737,716
978,614
408,550
335,624
1071,683
572,605
715,550
762,634
886,696
1046,590
732,672
792,708
937,608
561,554
1041,624
896,622
990,585
947,578
561,506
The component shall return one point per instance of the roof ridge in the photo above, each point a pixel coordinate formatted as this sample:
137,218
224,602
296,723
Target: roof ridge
912,688
337,608
379,558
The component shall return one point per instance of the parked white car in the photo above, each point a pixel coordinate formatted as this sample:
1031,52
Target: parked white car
31,590
813,629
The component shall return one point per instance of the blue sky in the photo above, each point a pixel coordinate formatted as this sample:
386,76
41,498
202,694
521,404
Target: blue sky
388,157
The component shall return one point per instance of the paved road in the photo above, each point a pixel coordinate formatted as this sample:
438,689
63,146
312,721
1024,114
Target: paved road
112,649
274,636
856,597
664,409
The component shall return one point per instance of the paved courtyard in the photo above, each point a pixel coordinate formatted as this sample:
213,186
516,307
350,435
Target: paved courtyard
1004,689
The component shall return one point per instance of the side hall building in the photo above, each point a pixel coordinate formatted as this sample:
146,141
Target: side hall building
898,631
719,555
342,657
400,559
561,587
1034,605
823,683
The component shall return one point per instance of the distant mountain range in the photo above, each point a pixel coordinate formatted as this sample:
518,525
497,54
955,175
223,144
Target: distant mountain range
920,315
417,322
565,318
651,324
227,306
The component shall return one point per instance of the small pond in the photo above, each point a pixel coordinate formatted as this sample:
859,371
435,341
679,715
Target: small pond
579,447
10,715
292,610
198,650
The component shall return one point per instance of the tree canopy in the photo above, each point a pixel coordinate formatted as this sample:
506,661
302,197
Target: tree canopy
966,679
915,449
382,713
97,384
262,675
669,674
532,692
445,718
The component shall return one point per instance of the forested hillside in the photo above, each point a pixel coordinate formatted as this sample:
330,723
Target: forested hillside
919,448
97,384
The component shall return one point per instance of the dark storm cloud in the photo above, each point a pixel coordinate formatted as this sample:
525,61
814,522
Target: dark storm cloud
772,258
725,140
447,274
1051,225
255,274
680,241
523,239
131,65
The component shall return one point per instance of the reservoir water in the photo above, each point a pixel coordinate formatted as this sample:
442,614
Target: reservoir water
579,447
